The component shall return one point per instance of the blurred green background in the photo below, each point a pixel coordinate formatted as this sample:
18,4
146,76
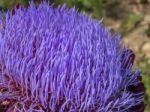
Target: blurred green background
131,18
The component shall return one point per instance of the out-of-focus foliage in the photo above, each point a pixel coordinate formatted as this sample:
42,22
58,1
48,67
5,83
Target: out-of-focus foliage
144,65
130,22
8,4
95,8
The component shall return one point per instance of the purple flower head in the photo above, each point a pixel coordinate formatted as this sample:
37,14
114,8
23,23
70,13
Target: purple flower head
56,60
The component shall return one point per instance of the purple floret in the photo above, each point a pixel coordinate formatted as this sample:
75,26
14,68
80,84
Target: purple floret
57,60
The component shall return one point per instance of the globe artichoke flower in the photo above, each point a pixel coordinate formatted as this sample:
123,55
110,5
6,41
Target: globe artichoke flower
58,60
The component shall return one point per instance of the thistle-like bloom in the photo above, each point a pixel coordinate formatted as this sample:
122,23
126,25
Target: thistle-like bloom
56,60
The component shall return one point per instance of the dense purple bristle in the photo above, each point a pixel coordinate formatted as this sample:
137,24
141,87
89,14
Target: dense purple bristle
54,59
